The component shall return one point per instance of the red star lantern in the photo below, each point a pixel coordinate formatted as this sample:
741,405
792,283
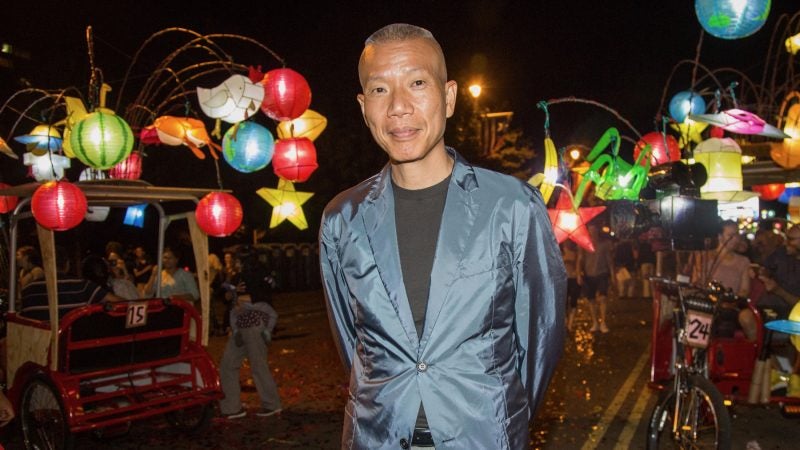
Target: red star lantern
570,222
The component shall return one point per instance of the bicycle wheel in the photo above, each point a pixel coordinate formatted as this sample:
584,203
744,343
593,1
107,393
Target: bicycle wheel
703,421
44,423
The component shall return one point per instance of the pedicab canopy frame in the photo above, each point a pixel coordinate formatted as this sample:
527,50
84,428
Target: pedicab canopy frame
112,193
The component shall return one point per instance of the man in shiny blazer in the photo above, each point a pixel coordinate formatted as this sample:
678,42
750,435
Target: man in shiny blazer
471,359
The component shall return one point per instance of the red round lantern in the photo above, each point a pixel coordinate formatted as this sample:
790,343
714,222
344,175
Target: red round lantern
58,205
128,169
286,94
769,191
295,159
7,202
219,214
661,153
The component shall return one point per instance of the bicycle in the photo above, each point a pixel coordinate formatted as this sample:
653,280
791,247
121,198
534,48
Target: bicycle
691,413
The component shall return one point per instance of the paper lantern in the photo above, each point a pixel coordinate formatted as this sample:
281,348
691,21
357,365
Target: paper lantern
787,153
128,169
664,148
7,202
42,139
569,222
219,214
791,190
793,44
793,211
89,174
172,130
769,191
233,101
58,205
546,180
47,167
134,215
690,131
684,103
5,149
248,147
101,140
286,94
295,159
722,159
309,125
286,204
740,121
732,19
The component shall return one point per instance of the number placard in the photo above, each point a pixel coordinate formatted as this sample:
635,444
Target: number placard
698,328
137,315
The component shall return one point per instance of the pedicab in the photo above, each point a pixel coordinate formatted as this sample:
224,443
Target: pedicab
102,366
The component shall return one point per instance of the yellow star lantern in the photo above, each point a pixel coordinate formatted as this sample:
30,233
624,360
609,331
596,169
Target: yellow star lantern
690,131
286,204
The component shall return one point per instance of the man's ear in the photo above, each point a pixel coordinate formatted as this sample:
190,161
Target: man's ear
450,90
360,99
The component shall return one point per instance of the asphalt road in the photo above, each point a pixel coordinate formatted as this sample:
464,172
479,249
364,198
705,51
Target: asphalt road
598,399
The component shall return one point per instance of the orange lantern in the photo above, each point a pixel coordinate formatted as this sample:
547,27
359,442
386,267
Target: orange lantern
58,205
787,153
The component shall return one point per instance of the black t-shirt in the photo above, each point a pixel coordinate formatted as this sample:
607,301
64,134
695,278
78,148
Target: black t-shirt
418,216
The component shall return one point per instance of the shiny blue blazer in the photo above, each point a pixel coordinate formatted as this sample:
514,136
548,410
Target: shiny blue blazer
494,326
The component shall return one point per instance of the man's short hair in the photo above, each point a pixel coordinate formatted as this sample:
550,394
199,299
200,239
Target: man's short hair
398,32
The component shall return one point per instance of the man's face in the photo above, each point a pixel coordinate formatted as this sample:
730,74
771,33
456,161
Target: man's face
793,241
729,238
406,100
169,260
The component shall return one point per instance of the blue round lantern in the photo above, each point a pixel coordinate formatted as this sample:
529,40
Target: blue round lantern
732,19
248,147
685,103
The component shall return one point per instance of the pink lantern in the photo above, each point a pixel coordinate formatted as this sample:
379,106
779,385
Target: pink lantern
769,191
129,169
58,205
295,159
663,152
286,94
219,214
7,202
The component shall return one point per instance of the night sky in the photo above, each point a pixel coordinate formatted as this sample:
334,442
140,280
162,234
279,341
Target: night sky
618,53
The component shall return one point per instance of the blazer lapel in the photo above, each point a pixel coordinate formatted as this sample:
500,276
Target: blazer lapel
455,232
382,235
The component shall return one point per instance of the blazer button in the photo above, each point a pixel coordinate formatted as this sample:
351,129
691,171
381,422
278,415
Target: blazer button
404,443
421,366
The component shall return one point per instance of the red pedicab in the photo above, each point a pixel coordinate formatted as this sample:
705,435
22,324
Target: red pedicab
100,367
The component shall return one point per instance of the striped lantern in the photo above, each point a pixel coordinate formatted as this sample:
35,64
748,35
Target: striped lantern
101,140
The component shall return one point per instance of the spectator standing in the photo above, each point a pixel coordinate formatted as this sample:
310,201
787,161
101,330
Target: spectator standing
252,321
594,273
175,282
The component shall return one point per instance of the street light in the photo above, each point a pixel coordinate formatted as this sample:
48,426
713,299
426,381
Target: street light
475,90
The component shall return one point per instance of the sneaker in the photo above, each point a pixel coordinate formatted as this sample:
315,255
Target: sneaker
237,415
603,328
594,328
268,412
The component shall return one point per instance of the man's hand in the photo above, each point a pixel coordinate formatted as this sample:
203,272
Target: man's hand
6,410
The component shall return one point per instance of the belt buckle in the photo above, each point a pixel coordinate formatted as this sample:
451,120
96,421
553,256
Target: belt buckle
422,438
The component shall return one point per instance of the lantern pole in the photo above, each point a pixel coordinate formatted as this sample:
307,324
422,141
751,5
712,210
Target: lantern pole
599,105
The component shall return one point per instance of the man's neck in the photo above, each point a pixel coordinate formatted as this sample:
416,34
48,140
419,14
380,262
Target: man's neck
424,173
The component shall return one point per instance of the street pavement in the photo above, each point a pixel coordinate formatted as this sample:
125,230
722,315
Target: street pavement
598,398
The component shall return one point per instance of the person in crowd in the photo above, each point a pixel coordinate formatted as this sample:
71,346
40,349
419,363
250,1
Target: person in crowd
119,279
569,254
456,350
142,269
780,274
625,262
594,274
6,410
252,321
73,291
765,242
647,264
30,266
175,281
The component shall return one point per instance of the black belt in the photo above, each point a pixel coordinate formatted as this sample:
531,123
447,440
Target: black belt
422,438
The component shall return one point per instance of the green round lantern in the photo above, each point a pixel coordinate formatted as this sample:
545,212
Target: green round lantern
101,140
